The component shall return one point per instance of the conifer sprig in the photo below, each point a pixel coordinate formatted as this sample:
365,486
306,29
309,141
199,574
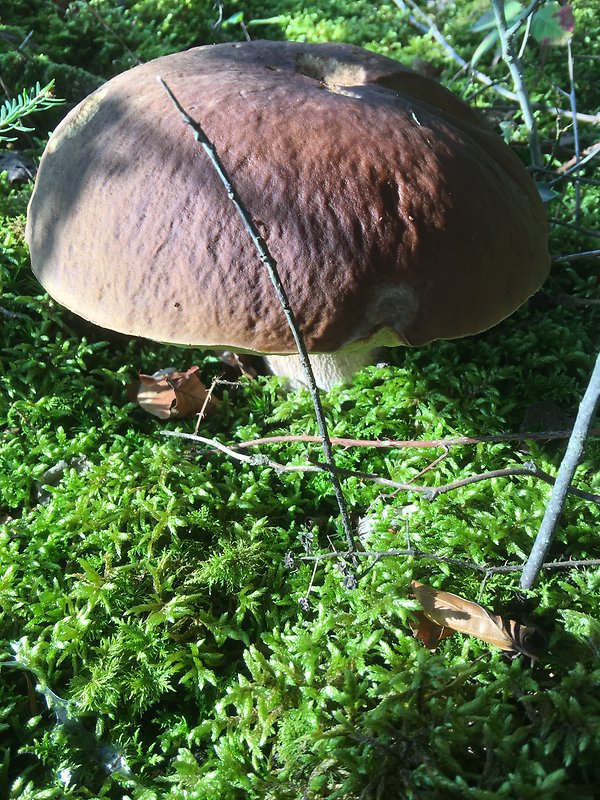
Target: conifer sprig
12,111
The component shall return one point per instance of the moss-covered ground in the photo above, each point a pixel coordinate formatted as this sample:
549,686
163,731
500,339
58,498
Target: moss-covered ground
152,639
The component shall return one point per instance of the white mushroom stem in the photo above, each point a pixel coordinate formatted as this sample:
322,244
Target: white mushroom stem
329,368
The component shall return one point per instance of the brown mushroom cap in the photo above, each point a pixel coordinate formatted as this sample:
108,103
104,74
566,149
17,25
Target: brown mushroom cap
395,215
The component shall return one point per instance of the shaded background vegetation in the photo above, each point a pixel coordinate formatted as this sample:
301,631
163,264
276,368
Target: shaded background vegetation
152,640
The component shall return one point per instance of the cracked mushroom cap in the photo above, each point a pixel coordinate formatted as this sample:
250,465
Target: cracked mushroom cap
395,215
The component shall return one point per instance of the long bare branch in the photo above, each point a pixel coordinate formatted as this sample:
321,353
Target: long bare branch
425,24
458,562
414,443
513,62
571,459
430,492
576,256
270,265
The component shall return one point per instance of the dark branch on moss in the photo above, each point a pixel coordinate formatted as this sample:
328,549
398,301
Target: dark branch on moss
270,265
425,24
416,443
410,552
513,62
577,256
430,492
572,457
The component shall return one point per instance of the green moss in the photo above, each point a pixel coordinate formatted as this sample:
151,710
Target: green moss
159,590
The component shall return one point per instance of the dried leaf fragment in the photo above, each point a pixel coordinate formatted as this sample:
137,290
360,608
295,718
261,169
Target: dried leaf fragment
450,612
429,632
170,394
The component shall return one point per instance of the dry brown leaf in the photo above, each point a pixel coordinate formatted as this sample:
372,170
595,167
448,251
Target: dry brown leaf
449,611
429,632
169,394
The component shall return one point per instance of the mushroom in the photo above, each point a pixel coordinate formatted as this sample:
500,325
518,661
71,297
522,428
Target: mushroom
395,215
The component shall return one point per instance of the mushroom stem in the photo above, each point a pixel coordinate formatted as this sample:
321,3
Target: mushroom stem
329,368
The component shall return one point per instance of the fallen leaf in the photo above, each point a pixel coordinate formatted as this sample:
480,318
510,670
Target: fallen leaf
170,394
449,611
429,632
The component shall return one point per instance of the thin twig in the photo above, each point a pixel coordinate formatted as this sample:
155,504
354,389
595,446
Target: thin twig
432,465
425,24
590,119
529,19
255,460
218,6
573,102
576,256
515,67
457,562
207,399
271,267
591,152
414,443
577,302
524,17
112,31
430,492
5,312
25,42
578,228
571,459
304,599
575,163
